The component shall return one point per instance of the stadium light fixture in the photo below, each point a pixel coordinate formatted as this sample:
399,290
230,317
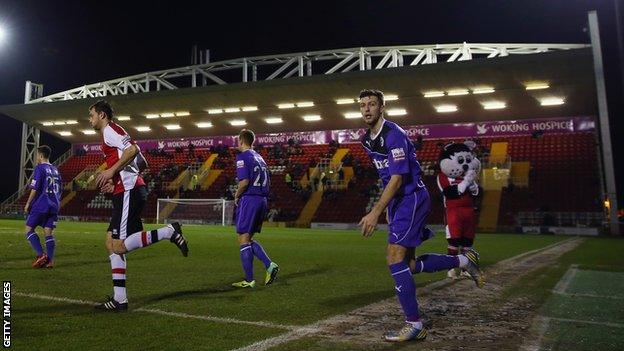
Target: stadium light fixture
204,124
483,90
311,118
59,123
47,124
88,131
3,34
537,86
273,120
232,109
396,112
552,101
446,108
152,116
457,92
123,118
286,105
238,122
143,128
353,115
432,94
249,108
65,133
390,97
71,122
345,101
182,113
215,111
305,104
167,114
494,105
173,126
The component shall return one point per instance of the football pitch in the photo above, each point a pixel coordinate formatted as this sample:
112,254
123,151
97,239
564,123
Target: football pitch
179,303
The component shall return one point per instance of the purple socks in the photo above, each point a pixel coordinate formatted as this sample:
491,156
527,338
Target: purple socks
34,241
433,263
405,290
246,256
259,252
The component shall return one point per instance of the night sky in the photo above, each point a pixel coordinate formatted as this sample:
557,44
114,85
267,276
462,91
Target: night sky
66,44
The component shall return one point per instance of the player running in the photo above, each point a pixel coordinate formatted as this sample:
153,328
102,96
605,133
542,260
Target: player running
42,207
407,202
122,179
251,202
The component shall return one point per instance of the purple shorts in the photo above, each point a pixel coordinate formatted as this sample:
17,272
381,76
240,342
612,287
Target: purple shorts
408,219
250,214
43,220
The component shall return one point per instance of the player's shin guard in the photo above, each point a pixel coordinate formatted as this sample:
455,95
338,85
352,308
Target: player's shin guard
433,263
405,289
118,267
246,256
146,238
50,246
35,243
259,252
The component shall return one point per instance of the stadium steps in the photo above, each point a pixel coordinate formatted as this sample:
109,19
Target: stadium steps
213,174
169,207
494,179
339,155
181,179
309,210
83,174
520,173
67,198
488,217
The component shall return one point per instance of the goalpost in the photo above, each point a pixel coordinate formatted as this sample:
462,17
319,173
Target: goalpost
195,211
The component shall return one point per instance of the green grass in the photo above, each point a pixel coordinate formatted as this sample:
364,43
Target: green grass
601,272
323,273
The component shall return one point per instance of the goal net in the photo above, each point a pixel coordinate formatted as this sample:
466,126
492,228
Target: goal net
195,211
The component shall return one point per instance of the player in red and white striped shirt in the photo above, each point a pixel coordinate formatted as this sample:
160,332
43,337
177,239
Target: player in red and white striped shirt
122,179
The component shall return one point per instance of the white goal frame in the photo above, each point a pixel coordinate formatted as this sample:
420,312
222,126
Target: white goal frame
178,201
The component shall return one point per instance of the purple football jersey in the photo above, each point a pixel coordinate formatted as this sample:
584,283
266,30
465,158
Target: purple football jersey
250,165
393,153
47,181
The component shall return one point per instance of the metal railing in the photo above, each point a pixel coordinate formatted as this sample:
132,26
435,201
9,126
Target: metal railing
300,64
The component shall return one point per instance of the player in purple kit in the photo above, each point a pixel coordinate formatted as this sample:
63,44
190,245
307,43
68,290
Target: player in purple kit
251,201
43,206
407,202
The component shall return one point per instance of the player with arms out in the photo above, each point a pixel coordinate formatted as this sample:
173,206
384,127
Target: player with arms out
122,179
251,201
42,207
408,205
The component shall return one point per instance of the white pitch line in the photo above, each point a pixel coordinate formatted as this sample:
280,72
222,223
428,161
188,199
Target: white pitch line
172,314
604,324
57,299
540,325
563,284
588,295
217,319
528,253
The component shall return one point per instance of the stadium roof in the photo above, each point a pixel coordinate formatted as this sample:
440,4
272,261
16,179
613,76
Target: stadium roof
563,79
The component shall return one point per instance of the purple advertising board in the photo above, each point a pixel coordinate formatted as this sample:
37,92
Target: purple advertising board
428,131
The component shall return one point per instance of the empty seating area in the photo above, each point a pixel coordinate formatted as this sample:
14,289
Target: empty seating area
563,178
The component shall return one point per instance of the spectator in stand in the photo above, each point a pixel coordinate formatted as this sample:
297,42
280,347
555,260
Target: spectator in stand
194,183
191,151
288,180
418,143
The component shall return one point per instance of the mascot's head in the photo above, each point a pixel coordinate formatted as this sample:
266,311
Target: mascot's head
456,159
